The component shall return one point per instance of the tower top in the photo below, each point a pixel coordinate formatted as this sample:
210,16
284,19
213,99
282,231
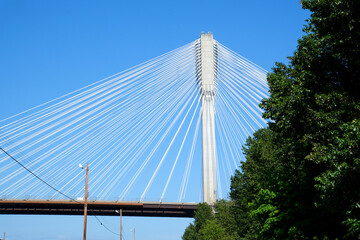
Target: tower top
207,60
208,33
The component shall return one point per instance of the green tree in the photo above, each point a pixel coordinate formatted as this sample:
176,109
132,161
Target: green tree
315,109
268,203
224,216
301,175
190,233
213,231
218,223
203,214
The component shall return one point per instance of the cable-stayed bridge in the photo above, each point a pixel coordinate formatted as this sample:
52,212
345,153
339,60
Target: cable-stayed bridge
159,137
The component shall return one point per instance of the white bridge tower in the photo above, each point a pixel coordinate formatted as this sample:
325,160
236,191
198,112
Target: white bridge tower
206,75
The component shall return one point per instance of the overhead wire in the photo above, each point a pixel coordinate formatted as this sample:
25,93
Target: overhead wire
53,188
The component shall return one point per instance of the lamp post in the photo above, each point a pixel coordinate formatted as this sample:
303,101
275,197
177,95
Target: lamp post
134,232
120,212
86,196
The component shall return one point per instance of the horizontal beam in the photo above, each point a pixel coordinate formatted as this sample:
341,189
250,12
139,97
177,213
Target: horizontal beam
99,208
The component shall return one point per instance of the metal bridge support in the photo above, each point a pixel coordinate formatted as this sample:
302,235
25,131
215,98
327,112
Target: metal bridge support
206,66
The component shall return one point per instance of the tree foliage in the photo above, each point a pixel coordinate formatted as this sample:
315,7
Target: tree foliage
301,175
212,224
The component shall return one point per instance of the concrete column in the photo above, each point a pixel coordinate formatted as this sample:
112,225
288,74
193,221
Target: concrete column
207,81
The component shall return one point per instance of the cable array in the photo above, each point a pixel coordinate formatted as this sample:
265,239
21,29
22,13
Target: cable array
240,87
138,130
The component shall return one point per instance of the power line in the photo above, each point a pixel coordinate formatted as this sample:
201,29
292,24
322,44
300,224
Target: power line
55,189
36,175
106,226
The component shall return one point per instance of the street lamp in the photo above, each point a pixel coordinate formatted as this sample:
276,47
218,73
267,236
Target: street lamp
86,196
134,232
120,212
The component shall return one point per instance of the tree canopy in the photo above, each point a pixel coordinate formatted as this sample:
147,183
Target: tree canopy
301,178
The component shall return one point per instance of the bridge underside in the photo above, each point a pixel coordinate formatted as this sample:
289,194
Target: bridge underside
98,208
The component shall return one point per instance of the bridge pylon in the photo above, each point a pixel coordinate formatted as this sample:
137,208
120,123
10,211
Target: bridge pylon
206,73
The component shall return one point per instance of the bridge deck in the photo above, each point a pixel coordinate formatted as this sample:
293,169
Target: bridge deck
99,208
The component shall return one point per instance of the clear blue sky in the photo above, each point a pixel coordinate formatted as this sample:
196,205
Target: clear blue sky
49,48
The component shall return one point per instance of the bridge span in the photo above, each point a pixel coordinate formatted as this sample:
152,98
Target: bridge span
98,208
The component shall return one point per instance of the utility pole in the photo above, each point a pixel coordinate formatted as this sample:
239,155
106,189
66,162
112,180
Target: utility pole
120,212
134,232
120,224
86,196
